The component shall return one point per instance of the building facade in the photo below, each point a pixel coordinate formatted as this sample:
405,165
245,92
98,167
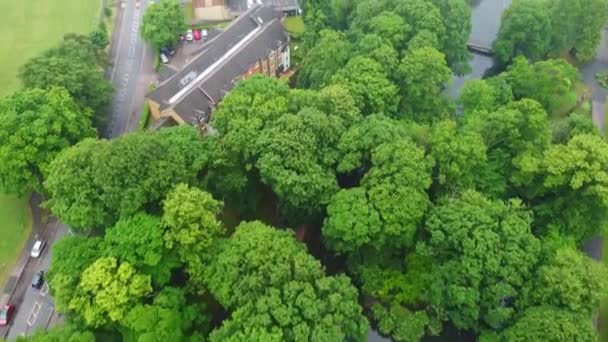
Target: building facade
256,42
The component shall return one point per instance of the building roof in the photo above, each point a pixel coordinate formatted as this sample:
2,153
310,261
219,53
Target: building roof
203,82
280,5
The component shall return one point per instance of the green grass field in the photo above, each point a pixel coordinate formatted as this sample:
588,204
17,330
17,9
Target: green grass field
294,24
31,26
15,225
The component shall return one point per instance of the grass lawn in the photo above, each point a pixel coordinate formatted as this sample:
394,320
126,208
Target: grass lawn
294,24
29,27
15,225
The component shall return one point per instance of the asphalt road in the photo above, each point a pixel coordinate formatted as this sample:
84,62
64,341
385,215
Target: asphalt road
132,71
37,307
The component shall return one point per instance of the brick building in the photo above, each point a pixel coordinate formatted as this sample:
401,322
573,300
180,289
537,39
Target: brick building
256,42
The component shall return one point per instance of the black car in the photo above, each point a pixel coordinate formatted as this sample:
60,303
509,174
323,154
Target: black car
38,280
167,51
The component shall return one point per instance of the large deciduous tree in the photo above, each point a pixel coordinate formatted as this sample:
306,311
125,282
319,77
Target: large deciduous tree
190,215
108,289
573,198
278,291
484,251
138,240
95,182
76,65
162,23
423,75
525,30
324,59
35,125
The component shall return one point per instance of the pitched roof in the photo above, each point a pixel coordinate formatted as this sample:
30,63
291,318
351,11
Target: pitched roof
280,5
211,74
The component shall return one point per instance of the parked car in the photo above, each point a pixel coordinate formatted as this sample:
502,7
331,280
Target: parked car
167,51
37,248
5,314
205,33
38,280
197,34
189,35
163,58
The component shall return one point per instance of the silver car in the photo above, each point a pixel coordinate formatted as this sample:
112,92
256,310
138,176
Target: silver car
37,248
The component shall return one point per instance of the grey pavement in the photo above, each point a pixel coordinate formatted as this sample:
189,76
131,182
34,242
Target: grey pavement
131,71
37,307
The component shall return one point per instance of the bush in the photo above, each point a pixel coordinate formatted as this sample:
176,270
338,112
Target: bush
107,11
602,78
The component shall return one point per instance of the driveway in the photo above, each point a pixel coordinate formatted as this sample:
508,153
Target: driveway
132,70
598,94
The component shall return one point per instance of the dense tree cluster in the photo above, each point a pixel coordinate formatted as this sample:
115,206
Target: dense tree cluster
538,28
412,211
78,65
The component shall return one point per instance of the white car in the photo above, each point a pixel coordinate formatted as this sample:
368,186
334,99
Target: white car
189,35
164,58
205,33
37,248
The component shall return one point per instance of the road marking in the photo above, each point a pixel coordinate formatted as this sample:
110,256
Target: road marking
31,318
44,290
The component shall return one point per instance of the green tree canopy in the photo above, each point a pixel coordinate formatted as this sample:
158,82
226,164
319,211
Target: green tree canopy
190,215
548,82
573,195
255,259
550,324
76,65
35,125
62,333
168,318
423,74
484,251
97,181
369,85
525,29
324,59
325,309
569,281
138,240
108,290
162,23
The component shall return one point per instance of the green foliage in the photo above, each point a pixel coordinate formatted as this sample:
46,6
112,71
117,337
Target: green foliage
70,256
168,318
325,309
99,37
108,290
138,240
573,196
255,259
547,82
570,281
368,83
190,215
458,157
97,181
552,325
162,23
63,333
483,252
573,125
400,323
35,125
525,30
76,64
324,59
423,74
602,78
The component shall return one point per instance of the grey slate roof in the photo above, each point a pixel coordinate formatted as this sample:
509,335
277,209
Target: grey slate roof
280,5
213,87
